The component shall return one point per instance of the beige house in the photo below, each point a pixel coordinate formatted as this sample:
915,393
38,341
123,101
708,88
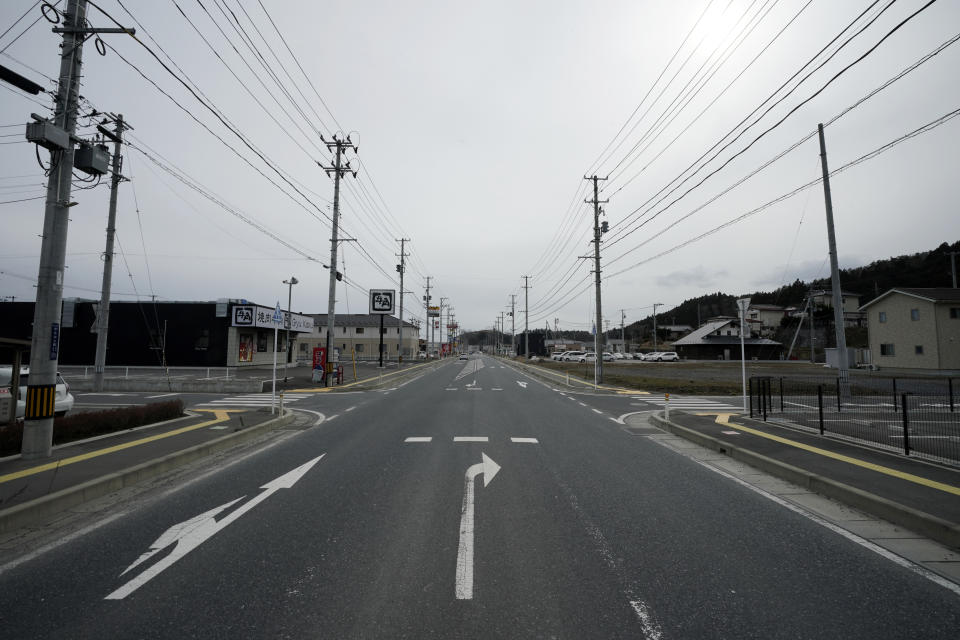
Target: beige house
358,334
915,328
852,314
768,316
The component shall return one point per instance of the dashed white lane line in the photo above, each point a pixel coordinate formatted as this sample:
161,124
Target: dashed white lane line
329,418
496,389
450,389
525,440
598,411
419,439
471,439
582,404
351,408
474,389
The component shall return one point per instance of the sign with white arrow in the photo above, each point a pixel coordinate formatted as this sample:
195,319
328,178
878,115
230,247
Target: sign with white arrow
190,534
464,582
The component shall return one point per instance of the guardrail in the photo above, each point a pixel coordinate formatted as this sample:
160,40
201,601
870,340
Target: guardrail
913,416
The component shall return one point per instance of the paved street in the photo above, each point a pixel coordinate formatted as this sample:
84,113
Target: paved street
469,501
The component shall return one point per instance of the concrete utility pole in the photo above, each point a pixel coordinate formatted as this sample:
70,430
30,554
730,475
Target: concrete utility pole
103,311
810,308
402,267
598,332
655,305
292,281
503,330
953,267
526,319
513,324
45,343
427,334
842,363
339,169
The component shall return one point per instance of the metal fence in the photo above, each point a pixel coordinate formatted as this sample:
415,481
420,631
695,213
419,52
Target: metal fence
912,416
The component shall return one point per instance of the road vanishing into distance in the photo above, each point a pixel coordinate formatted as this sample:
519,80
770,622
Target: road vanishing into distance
471,501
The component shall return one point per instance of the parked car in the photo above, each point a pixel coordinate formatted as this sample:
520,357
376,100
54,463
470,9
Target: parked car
619,356
588,356
668,356
651,357
558,355
573,356
63,401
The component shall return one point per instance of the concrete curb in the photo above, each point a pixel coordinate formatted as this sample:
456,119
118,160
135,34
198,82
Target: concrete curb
931,526
42,509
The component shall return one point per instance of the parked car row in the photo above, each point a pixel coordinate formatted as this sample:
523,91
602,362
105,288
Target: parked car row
589,356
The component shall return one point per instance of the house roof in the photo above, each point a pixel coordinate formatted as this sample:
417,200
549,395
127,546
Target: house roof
702,336
358,320
767,307
933,294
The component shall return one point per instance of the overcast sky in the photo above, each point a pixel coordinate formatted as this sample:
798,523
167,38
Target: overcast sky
476,123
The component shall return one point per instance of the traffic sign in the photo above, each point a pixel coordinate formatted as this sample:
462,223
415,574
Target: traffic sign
382,301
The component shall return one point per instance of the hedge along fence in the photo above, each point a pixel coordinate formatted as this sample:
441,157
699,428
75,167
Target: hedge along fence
77,426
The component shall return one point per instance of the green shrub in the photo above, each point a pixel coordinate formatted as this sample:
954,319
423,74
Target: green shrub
77,426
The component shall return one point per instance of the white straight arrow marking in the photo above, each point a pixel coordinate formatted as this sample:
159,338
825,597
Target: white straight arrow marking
188,535
464,583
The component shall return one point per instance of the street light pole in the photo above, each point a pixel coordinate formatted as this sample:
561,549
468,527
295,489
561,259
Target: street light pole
292,281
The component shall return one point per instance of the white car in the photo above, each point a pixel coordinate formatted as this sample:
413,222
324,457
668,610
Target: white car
619,356
558,355
651,357
63,401
572,356
668,356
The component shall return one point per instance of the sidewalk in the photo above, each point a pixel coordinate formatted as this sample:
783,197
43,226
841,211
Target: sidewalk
32,490
914,494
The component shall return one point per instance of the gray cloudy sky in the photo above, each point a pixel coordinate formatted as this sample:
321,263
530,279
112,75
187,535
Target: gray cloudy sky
476,123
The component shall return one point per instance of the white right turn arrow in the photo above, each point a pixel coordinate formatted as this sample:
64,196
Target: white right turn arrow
464,584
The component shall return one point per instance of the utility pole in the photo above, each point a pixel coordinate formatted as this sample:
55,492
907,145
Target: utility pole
426,300
953,267
401,268
655,305
513,324
842,363
45,343
810,309
339,170
526,318
597,230
103,311
503,329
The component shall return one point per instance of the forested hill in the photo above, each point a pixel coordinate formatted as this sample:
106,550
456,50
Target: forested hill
924,269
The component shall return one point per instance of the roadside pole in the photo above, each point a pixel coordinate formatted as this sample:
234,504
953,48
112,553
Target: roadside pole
277,320
743,304
103,311
842,362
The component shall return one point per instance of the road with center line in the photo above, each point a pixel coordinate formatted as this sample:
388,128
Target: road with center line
469,501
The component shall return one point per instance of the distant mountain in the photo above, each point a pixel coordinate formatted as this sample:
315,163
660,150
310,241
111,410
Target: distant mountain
924,269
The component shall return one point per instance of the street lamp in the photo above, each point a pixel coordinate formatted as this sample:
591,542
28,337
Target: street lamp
292,281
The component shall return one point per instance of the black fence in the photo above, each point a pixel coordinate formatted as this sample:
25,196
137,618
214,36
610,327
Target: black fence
913,416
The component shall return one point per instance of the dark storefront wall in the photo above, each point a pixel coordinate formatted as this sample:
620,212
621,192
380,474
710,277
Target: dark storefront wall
195,337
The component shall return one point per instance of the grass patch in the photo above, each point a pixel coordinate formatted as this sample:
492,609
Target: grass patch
77,426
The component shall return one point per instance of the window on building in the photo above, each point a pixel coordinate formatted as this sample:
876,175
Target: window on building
886,349
914,314
303,347
202,343
954,313
359,348
882,316
918,349
359,330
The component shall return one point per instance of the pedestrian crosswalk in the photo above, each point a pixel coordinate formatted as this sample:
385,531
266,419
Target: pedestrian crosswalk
254,400
693,404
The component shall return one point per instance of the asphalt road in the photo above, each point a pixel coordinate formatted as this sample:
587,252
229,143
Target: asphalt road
517,511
